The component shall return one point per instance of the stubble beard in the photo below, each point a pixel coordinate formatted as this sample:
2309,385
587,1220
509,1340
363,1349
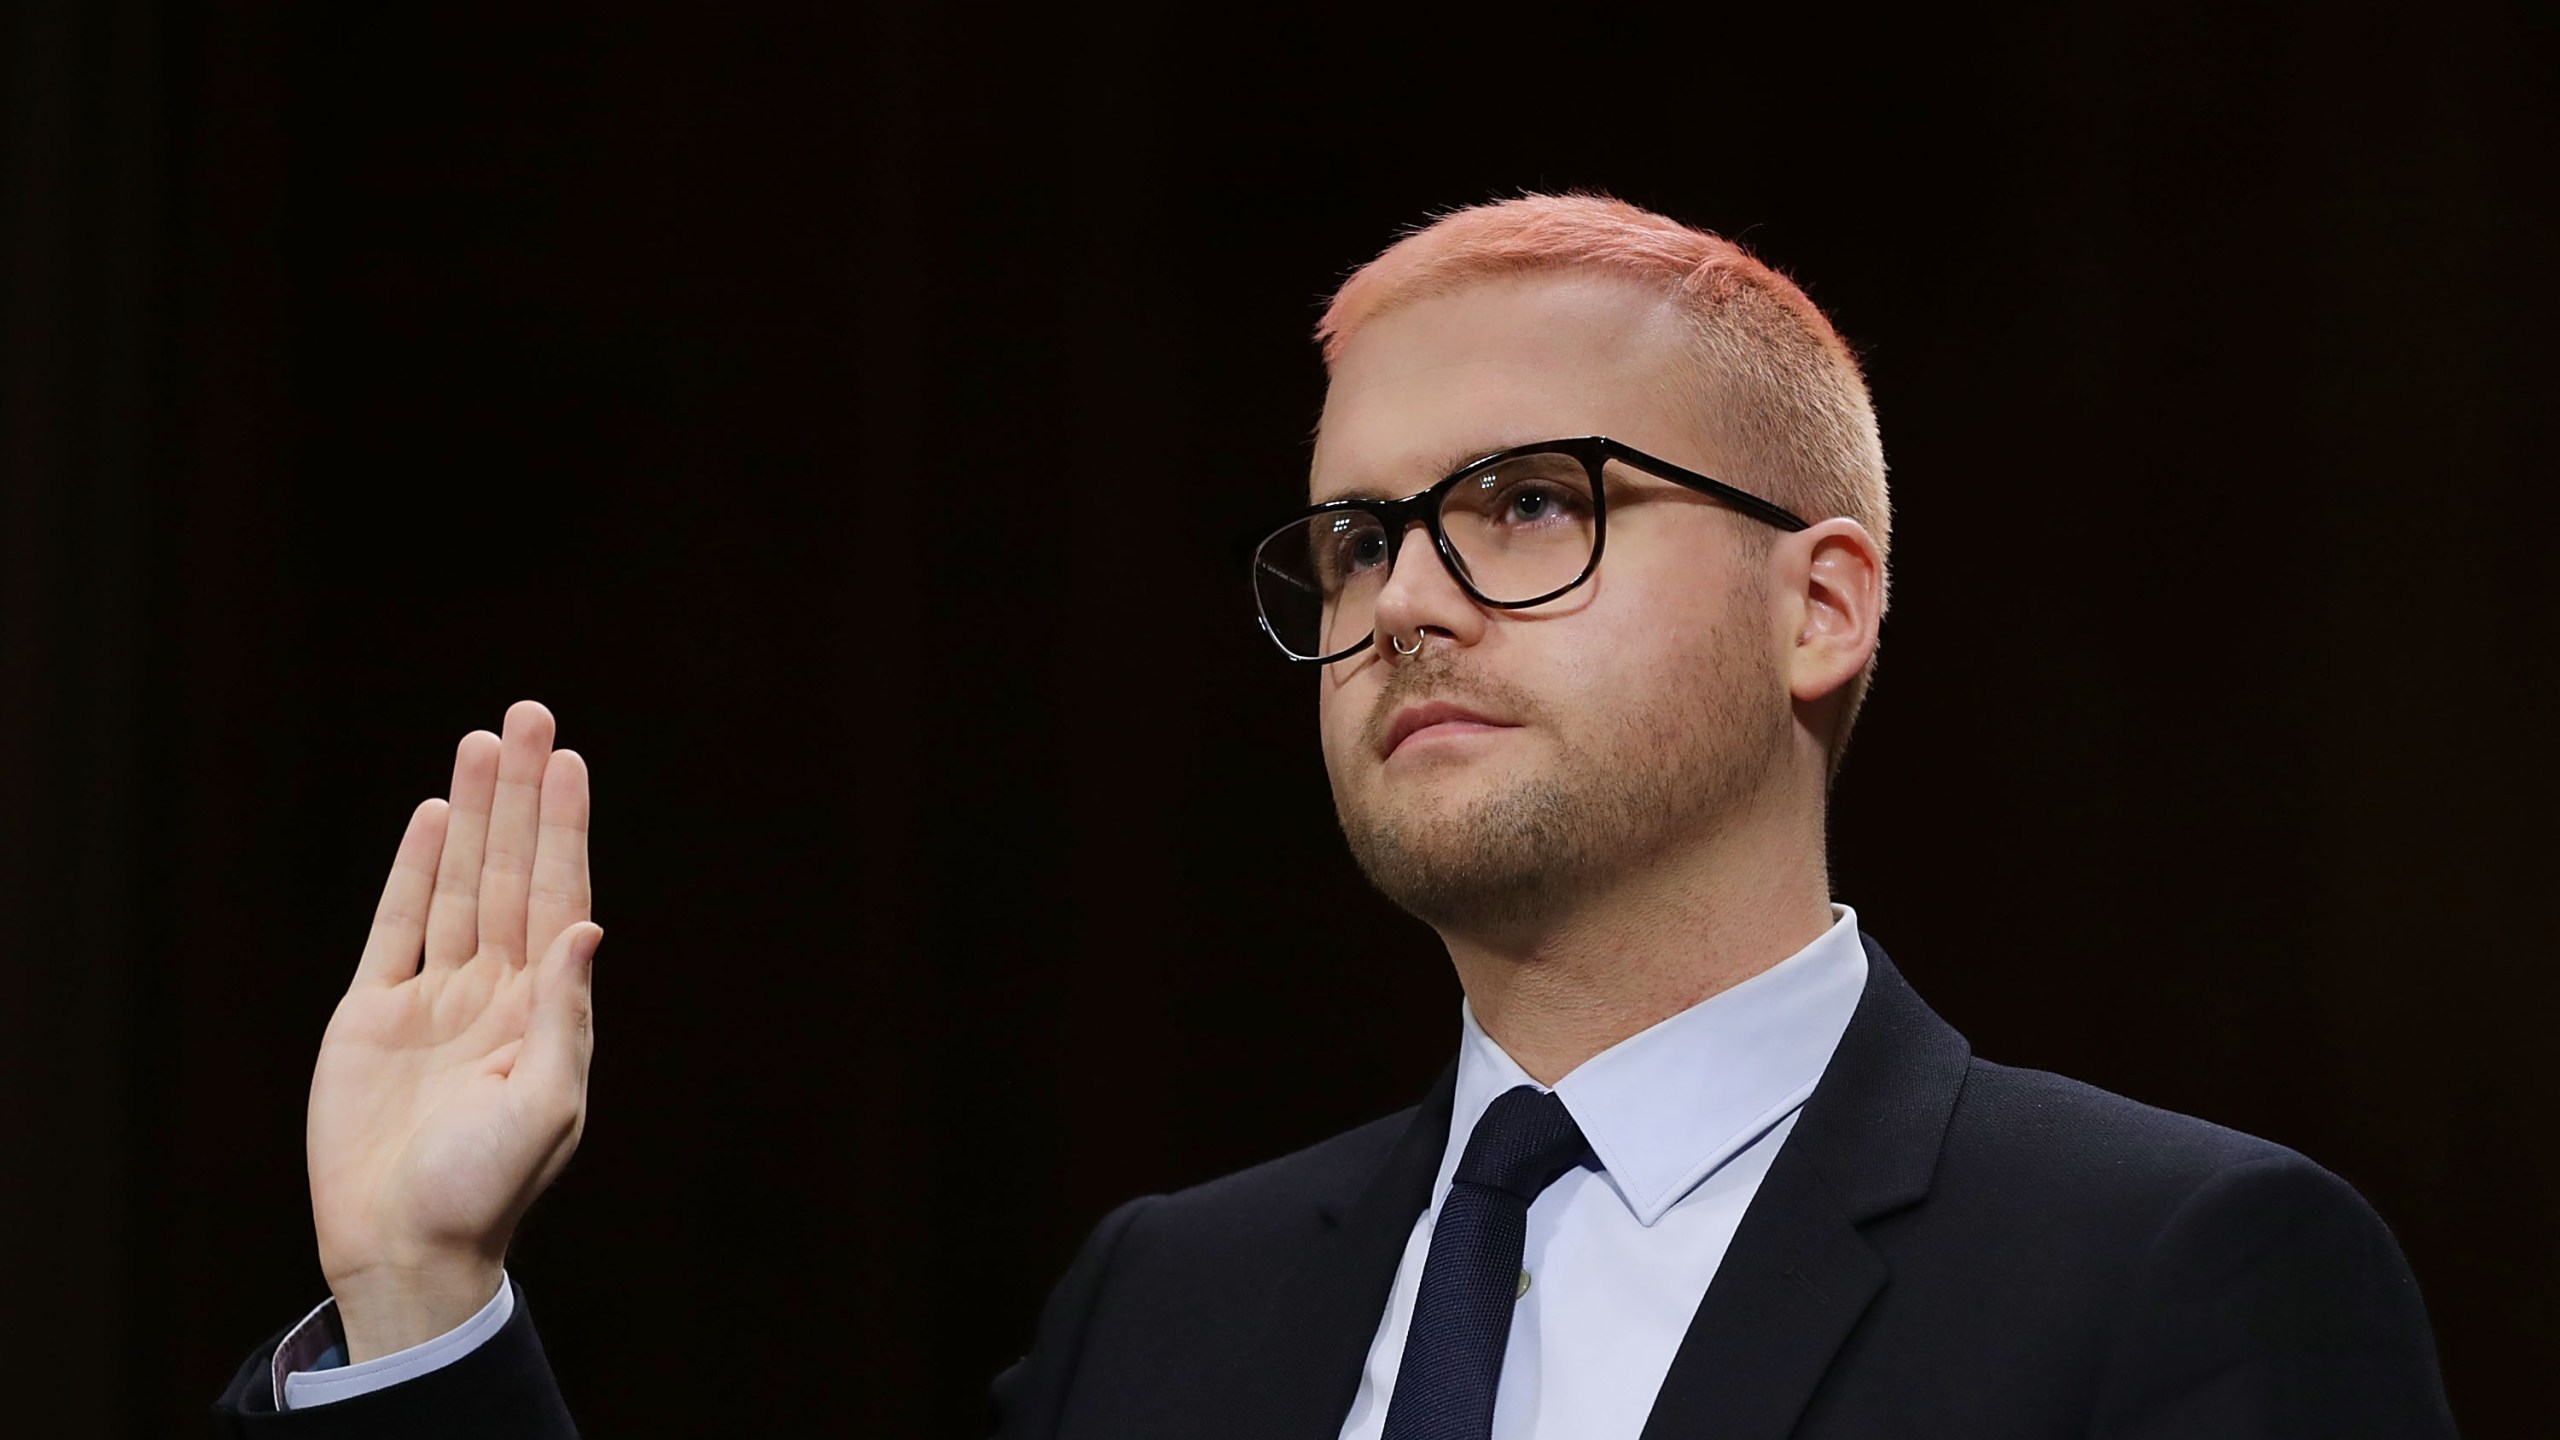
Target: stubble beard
1663,774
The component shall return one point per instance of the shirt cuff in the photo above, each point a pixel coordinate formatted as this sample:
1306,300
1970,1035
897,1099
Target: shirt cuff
311,1369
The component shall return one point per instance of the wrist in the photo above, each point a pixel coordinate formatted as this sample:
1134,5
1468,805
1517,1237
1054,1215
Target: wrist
386,1309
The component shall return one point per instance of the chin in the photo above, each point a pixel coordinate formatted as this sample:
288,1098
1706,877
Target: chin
1425,788
1470,850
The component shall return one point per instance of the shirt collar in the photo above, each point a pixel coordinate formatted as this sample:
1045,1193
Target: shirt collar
1666,1106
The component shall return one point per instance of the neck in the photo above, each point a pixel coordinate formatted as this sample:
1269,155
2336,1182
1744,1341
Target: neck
1558,991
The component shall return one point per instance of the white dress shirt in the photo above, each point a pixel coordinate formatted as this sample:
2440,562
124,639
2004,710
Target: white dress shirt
310,1367
1685,1118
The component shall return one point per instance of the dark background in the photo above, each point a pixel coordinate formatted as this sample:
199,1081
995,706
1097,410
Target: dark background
837,415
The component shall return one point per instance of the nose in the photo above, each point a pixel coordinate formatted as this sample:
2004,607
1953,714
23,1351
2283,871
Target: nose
1421,598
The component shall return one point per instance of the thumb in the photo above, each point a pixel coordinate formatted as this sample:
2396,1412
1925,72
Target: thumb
561,1034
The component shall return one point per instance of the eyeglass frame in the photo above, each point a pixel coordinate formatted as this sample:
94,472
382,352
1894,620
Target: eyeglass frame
1397,517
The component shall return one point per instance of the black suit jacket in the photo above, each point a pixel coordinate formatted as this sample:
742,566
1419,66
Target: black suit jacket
1943,1247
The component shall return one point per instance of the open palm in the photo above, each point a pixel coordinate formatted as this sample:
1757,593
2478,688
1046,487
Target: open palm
451,1086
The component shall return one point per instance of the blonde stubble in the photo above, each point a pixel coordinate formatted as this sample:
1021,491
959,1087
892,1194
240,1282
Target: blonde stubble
1617,796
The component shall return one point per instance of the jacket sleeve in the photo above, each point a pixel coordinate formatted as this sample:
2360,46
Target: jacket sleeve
502,1391
1029,1400
2274,1303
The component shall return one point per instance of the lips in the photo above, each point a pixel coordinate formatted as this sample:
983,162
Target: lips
1413,719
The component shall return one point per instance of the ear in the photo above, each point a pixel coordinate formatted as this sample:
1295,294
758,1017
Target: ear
1834,604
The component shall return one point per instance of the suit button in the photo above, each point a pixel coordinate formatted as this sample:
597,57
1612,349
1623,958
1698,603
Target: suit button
1524,1286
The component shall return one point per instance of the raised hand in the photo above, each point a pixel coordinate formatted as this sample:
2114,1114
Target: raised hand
449,1094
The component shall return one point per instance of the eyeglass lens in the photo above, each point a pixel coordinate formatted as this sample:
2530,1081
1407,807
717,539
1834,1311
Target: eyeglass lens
1521,528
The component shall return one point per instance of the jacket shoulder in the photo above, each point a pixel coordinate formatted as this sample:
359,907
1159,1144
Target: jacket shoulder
2011,1108
2085,1148
1135,1337
2186,1270
1256,1217
1327,1174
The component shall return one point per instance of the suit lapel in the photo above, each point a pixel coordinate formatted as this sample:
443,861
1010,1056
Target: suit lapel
1792,1286
1799,1274
1322,1317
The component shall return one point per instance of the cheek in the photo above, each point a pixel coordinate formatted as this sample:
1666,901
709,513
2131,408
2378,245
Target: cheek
1337,722
1669,647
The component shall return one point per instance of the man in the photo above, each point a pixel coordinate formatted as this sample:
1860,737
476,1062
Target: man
1590,590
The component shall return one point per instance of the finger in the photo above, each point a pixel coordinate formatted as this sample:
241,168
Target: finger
560,897
400,920
453,925
515,817
560,1038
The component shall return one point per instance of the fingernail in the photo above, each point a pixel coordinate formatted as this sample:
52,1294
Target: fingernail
583,949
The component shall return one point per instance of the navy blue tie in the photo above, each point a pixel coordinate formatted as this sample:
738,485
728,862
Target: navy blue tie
1462,1319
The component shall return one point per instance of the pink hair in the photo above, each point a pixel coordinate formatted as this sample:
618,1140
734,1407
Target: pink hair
1778,387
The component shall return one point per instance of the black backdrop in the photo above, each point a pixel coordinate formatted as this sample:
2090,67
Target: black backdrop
837,415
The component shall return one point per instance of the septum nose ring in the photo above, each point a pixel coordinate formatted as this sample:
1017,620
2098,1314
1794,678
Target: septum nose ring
1398,645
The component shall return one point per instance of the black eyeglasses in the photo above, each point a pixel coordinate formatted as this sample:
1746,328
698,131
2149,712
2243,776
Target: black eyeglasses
1516,528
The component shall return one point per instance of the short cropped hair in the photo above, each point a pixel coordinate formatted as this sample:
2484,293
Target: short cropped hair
1777,385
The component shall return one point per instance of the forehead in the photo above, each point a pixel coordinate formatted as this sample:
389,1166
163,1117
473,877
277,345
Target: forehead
1439,381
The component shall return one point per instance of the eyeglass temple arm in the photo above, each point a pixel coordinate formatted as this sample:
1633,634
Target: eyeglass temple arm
1765,511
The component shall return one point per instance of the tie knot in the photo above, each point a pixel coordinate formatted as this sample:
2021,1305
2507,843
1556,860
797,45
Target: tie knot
1524,1141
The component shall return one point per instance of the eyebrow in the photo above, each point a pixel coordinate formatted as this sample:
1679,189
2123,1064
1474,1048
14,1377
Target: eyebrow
1456,461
